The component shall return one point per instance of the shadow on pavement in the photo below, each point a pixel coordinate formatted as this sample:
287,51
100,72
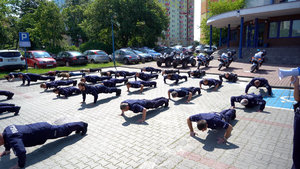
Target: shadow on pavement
92,104
174,84
184,99
264,71
210,142
2,100
6,117
230,69
150,114
50,149
139,91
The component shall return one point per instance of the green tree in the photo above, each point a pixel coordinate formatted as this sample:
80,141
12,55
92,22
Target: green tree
73,17
216,8
136,22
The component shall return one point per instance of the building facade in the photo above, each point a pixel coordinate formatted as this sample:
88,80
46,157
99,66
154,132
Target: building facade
262,23
181,22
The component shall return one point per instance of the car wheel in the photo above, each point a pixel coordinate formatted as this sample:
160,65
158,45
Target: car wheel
184,64
193,63
158,63
35,66
168,63
126,61
67,63
174,65
93,61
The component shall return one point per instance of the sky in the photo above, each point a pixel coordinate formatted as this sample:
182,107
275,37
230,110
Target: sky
197,18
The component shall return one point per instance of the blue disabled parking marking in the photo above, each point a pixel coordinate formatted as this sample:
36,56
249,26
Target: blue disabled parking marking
282,98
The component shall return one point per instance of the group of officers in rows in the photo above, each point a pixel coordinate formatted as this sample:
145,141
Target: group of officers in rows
16,136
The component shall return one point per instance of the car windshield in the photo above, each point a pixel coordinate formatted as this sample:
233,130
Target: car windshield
41,55
150,50
127,52
75,53
10,54
100,53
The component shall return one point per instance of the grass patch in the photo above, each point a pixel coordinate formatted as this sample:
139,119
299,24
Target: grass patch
71,68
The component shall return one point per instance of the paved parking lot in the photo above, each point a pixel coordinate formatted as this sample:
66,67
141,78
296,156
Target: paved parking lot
259,139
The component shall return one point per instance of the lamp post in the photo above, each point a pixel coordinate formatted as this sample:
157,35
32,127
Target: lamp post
113,40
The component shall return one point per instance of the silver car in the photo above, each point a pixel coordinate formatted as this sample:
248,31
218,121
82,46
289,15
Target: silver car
96,56
126,56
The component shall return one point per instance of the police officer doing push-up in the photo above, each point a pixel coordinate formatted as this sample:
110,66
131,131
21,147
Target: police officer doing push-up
69,74
231,77
17,137
184,91
196,73
249,100
124,74
66,91
259,82
150,69
95,90
170,71
175,77
11,76
145,77
6,107
213,121
8,94
94,78
113,81
33,77
57,83
142,106
210,82
140,84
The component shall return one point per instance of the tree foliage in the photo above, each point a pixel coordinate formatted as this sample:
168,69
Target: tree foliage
216,8
136,22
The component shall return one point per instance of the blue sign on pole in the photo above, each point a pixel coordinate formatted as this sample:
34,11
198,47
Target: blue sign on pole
24,41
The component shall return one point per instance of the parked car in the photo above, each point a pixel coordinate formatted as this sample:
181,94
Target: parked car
126,56
144,57
153,53
96,56
68,58
11,60
39,59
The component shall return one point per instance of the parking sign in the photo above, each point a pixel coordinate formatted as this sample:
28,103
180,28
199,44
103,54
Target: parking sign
24,40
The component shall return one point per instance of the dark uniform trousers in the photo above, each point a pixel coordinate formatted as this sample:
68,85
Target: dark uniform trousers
296,145
155,103
228,115
113,82
194,90
175,77
137,84
8,107
6,93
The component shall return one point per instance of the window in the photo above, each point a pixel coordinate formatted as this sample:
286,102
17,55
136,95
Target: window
284,29
296,28
273,30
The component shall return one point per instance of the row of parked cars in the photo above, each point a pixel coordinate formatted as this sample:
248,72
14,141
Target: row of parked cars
12,59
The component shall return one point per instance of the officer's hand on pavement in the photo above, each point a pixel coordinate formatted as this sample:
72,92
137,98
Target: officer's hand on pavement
141,121
82,102
221,140
193,134
4,153
232,107
259,110
187,101
15,167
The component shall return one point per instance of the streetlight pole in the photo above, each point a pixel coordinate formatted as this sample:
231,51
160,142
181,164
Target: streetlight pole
113,41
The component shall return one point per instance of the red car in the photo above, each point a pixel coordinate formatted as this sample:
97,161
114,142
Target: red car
39,59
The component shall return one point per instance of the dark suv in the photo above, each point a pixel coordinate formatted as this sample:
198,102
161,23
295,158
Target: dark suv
68,58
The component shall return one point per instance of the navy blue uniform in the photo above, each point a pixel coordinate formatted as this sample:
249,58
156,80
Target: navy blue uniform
139,105
35,77
150,69
124,73
296,145
7,93
57,83
184,91
263,83
95,90
212,82
108,73
175,77
76,74
253,100
170,71
53,73
4,107
138,84
68,91
94,78
216,120
18,137
146,77
231,78
92,70
12,75
196,73
112,82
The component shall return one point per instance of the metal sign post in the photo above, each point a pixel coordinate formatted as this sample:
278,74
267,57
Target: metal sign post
24,42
